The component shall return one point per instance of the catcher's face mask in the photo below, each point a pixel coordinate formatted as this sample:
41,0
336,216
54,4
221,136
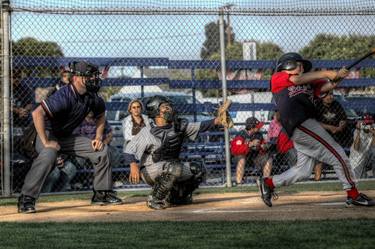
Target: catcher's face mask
166,112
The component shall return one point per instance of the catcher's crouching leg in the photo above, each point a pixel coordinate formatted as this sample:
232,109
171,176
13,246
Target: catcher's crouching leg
182,192
163,186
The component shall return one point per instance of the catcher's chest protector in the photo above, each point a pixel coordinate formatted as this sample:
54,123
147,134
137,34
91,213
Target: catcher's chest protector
171,142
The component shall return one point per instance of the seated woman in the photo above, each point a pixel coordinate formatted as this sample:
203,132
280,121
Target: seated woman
133,123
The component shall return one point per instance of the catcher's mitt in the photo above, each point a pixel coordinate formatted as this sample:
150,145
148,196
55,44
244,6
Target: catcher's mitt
223,114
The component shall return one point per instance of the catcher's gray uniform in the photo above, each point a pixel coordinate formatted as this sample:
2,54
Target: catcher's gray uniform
144,144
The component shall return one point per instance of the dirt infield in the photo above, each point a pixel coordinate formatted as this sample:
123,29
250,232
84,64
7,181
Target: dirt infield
206,207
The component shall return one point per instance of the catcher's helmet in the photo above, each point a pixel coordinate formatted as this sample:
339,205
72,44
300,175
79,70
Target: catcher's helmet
153,104
289,61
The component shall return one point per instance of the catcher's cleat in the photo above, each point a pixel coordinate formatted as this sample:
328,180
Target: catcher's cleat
157,204
105,198
26,204
361,200
265,191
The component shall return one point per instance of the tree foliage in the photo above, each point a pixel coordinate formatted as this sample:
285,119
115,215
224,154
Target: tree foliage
30,46
265,51
212,43
336,47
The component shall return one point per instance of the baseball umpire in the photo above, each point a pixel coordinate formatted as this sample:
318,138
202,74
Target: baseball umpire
294,89
154,154
54,120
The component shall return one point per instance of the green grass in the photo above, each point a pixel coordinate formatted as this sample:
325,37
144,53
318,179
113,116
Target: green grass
320,186
198,235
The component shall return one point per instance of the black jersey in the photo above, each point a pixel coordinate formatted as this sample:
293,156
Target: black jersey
295,102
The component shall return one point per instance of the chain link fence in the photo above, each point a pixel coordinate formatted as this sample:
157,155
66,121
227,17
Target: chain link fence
173,49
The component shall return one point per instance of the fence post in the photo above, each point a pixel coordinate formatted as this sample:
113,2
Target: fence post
5,19
194,94
224,89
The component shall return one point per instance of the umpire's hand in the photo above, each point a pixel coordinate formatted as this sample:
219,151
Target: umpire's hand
134,173
97,144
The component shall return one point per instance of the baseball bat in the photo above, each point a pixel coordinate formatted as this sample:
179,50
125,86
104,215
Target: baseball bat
361,59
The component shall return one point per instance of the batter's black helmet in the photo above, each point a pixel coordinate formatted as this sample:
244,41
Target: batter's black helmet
289,61
153,104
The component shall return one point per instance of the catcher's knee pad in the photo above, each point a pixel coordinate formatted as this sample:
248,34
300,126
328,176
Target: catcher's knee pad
174,168
198,170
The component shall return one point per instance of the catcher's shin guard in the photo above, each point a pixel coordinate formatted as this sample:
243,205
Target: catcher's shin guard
160,191
182,192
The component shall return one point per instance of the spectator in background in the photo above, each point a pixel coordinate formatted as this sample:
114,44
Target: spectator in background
250,148
60,177
134,122
22,101
65,77
362,151
282,145
41,93
88,129
332,117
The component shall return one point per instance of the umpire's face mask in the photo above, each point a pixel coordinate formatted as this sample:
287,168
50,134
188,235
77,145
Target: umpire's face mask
93,83
166,112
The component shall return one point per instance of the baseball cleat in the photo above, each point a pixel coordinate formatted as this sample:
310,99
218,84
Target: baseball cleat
361,200
153,203
265,191
105,198
26,204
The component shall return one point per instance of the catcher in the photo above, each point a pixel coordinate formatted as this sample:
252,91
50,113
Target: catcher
153,153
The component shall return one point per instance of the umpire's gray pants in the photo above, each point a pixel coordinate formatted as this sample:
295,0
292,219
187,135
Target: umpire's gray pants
72,145
313,143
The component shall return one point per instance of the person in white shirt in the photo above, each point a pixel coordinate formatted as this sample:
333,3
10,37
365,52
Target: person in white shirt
134,122
362,152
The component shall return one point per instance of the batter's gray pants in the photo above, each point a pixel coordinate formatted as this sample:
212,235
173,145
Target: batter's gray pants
72,145
313,143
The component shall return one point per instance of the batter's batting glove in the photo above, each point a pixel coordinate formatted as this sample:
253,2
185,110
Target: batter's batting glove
224,116
341,74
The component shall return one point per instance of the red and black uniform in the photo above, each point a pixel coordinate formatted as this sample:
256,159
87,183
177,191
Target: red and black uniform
298,98
296,104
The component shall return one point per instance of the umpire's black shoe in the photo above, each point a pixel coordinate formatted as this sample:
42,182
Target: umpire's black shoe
105,198
265,191
361,200
26,204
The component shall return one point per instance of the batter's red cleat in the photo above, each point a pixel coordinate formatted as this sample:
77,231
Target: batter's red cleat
361,200
265,191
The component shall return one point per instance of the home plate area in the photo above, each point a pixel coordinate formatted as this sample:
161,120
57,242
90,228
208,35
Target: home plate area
206,207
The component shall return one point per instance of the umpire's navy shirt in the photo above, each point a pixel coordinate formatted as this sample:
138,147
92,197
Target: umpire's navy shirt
66,109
